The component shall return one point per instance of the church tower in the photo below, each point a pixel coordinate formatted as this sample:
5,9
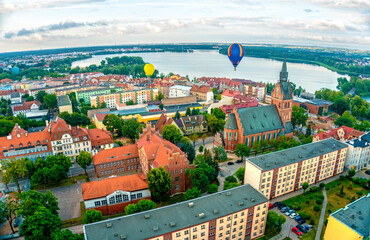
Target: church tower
282,97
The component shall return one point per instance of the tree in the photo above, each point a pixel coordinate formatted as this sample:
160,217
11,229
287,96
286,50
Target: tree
92,216
9,211
242,150
104,105
322,185
351,173
113,123
305,186
84,159
240,174
231,179
282,220
200,149
192,193
131,129
129,102
14,168
159,97
228,185
40,96
41,225
131,209
219,153
159,181
185,140
256,147
189,150
218,113
203,137
193,137
299,116
214,123
67,235
145,205
212,188
30,98
202,175
177,115
3,111
188,112
272,219
171,133
51,101
31,200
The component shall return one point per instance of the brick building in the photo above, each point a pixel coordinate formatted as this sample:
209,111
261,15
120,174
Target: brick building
100,139
116,160
208,217
285,171
203,93
314,106
112,195
342,134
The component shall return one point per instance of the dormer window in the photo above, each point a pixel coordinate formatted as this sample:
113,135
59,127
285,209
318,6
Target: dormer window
11,146
38,142
29,144
20,145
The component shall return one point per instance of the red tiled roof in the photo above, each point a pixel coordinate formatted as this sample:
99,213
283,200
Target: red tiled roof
100,137
333,133
230,93
202,89
100,116
60,127
103,188
116,154
25,106
162,121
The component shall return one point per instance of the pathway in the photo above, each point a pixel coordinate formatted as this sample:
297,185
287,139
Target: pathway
322,216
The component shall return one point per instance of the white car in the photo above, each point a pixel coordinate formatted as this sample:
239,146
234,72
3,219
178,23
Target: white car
293,215
289,212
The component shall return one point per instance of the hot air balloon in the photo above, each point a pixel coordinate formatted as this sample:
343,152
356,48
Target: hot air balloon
149,69
15,70
235,53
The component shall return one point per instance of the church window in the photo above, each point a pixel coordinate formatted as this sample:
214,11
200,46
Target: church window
230,136
269,136
259,138
225,135
236,136
264,136
252,139
275,135
247,141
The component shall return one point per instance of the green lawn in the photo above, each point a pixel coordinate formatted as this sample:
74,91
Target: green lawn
65,182
336,202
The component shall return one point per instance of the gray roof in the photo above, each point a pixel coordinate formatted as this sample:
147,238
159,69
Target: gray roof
296,154
142,225
362,142
231,122
356,215
194,121
15,95
63,100
260,119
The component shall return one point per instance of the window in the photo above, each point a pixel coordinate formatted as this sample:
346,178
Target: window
139,195
125,197
111,200
186,232
203,227
133,196
97,203
104,202
177,179
178,234
118,198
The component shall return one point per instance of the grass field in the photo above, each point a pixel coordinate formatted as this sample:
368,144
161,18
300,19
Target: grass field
63,183
336,202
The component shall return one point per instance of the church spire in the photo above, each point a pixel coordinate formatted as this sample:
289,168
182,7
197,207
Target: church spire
284,72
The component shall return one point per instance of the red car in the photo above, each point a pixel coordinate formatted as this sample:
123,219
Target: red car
271,206
296,231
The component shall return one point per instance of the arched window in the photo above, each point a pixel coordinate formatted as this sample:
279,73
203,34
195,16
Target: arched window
275,135
236,136
230,136
38,142
259,138
11,146
29,143
269,136
247,141
252,140
20,145
264,136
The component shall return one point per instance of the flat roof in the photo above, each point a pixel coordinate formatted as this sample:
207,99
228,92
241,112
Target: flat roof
356,215
182,87
175,217
296,154
317,102
63,100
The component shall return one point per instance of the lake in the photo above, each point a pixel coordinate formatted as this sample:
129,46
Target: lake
212,64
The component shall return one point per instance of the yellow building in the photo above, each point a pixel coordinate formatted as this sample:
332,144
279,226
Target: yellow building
64,104
351,222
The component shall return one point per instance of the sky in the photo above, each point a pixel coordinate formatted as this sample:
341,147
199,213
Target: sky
44,24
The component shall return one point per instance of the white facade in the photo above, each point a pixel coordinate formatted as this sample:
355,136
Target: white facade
71,147
117,197
33,107
261,93
358,156
179,91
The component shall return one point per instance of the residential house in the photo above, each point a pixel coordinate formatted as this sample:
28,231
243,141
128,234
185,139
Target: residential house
358,155
64,104
27,107
193,124
342,134
100,139
203,93
163,121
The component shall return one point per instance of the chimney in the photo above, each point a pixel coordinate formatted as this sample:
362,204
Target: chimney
148,137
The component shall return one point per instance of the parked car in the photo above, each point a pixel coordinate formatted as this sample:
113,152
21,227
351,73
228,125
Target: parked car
277,204
309,226
296,231
230,163
301,228
271,206
239,161
293,215
301,221
281,206
289,212
285,209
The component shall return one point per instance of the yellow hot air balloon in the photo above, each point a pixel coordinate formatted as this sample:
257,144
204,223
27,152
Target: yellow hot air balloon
149,69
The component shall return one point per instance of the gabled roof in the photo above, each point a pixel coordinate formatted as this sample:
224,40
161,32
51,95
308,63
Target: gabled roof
63,100
103,188
349,133
201,89
162,121
230,93
192,121
116,154
25,106
100,137
260,119
231,122
100,116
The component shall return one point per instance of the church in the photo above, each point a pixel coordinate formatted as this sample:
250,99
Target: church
249,125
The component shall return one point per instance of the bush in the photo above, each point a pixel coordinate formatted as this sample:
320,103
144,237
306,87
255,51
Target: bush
322,185
304,215
350,186
231,179
314,189
316,208
326,222
312,222
295,207
119,143
307,202
321,197
212,188
192,193
329,211
353,198
342,178
319,201
360,193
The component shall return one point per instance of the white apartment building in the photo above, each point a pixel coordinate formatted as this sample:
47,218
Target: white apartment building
358,155
179,91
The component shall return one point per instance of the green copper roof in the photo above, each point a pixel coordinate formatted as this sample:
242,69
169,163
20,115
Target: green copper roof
175,217
231,122
286,90
260,119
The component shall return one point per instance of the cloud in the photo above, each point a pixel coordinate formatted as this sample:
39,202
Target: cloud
9,6
345,4
53,27
307,10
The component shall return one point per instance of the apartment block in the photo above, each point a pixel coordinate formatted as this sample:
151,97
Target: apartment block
285,171
358,156
351,222
85,95
238,213
179,91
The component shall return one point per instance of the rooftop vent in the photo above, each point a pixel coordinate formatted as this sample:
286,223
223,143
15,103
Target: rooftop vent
313,152
240,203
109,225
190,204
267,165
292,159
146,216
276,163
228,193
172,224
254,115
304,147
155,228
253,200
300,156
321,150
201,215
263,125
264,114
123,236
352,216
215,211
282,153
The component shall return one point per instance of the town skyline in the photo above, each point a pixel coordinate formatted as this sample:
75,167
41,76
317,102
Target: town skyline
343,24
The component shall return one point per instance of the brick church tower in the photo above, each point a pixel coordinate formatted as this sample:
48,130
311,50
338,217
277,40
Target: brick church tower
282,97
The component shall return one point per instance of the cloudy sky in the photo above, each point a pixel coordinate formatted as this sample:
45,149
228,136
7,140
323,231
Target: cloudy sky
42,24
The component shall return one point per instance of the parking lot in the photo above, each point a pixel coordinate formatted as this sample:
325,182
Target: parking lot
287,226
228,170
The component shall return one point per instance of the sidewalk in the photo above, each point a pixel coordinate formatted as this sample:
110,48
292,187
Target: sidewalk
322,216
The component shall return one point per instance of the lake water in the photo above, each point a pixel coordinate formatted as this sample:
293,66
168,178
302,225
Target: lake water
213,64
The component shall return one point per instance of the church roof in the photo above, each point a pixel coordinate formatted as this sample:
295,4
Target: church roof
231,122
259,119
